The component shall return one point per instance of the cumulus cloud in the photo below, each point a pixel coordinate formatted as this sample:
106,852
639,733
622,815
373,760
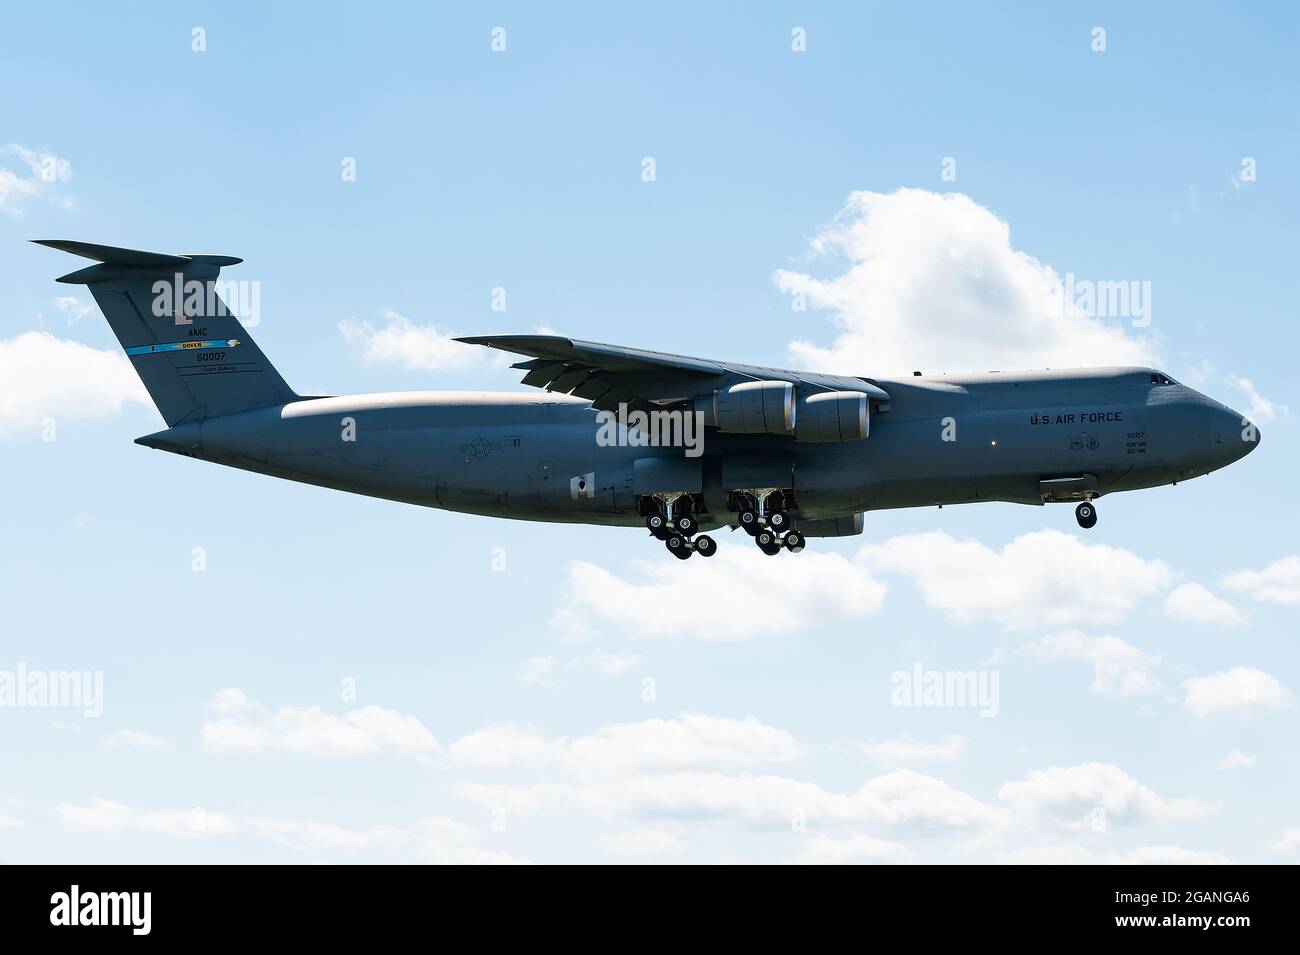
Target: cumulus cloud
244,726
400,341
1290,841
1044,578
1143,855
1277,583
436,838
738,594
699,767
1236,759
859,847
1235,692
43,376
30,174
538,671
1096,796
641,843
900,798
690,740
1196,604
504,745
544,671
932,281
1119,668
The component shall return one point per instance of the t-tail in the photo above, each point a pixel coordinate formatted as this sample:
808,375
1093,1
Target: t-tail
193,354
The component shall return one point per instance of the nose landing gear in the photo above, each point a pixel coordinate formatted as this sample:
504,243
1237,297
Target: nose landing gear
1086,514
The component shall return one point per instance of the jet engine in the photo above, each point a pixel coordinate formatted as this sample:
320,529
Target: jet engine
833,416
752,407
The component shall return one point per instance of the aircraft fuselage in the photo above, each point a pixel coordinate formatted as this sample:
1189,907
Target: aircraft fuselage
948,439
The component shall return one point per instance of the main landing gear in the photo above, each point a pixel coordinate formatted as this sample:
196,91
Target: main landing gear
770,528
1086,514
676,527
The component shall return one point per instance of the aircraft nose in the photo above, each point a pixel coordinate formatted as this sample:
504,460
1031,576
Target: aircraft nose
1234,435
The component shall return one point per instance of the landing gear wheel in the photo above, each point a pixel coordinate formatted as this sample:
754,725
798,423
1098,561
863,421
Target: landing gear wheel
658,525
779,521
687,525
676,545
749,522
704,546
768,543
1086,514
793,542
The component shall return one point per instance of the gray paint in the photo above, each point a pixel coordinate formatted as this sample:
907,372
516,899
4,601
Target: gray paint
1085,432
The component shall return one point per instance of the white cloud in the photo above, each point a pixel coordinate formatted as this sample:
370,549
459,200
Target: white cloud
641,843
243,726
1290,841
899,798
1173,855
42,376
1119,668
859,847
400,341
1196,604
538,671
1277,583
1259,409
1236,759
608,664
932,282
1044,578
503,745
437,838
691,740
1143,855
73,308
543,671
43,175
738,594
893,752
105,816
1094,795
1236,691
138,740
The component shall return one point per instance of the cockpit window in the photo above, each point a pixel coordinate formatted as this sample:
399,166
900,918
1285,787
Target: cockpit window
1158,379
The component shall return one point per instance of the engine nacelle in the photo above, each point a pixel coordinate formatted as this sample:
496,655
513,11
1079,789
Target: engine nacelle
752,407
834,416
846,526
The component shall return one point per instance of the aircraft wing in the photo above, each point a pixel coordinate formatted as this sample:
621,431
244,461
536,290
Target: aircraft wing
607,375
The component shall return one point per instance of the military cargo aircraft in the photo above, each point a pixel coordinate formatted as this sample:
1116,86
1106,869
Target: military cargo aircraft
627,437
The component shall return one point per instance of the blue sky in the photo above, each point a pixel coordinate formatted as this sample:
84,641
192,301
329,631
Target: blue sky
487,725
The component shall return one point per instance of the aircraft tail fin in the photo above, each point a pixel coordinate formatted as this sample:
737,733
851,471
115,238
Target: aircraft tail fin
169,312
